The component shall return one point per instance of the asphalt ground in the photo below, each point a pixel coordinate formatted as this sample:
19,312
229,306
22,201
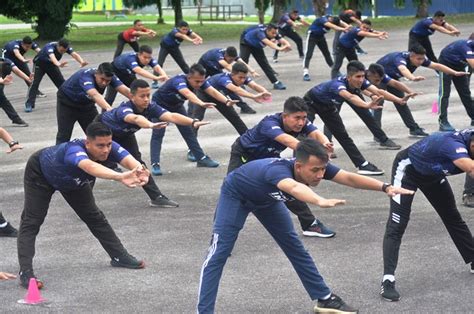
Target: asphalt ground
431,275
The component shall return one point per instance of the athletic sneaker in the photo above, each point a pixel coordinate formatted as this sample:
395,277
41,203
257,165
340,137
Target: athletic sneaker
333,305
389,144
279,86
128,261
468,199
163,202
156,170
155,85
418,133
28,107
446,127
369,170
472,267
302,57
190,156
333,155
8,231
25,277
388,291
306,77
207,162
40,95
20,122
275,60
246,109
318,229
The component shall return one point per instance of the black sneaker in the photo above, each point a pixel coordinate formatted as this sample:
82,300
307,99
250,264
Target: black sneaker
468,200
246,109
127,261
388,291
318,229
8,231
163,201
418,133
389,144
333,305
370,170
472,267
26,275
20,122
40,95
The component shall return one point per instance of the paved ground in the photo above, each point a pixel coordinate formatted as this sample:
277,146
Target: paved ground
258,278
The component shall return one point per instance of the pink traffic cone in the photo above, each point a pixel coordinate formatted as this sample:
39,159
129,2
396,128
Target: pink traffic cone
434,107
33,295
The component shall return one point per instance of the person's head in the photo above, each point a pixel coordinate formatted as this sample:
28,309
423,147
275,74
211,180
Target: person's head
294,14
138,24
5,68
98,141
355,74
471,37
271,30
196,76
375,73
335,20
295,113
62,45
438,17
104,74
417,55
145,54
311,162
26,43
230,54
239,73
183,27
366,25
141,93
358,14
471,146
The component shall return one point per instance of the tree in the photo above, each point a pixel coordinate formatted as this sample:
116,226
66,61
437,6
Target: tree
279,7
175,4
421,6
353,4
319,7
52,17
262,6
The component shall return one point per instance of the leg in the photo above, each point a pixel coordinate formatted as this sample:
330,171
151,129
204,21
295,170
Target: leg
302,211
33,91
262,61
135,46
368,119
335,41
245,53
155,145
338,60
177,55
298,41
120,44
55,75
462,86
66,117
323,46
86,118
7,106
237,156
443,96
426,43
162,55
404,110
189,137
232,116
310,44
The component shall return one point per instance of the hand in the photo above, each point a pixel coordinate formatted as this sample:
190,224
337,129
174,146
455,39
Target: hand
162,78
329,147
7,80
14,148
143,175
254,74
457,73
158,125
375,103
231,102
6,276
383,36
207,105
414,94
84,63
261,97
392,191
197,41
27,61
331,202
198,124
418,78
62,64
285,48
404,100
131,178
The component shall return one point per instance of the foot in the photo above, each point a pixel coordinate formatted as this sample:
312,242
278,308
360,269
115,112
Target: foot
156,170
127,261
25,277
190,157
389,144
333,155
468,199
388,291
302,57
155,85
418,133
306,77
275,60
472,267
163,202
333,305
246,109
362,52
20,122
279,86
369,170
445,126
318,229
207,162
40,95
28,107
8,231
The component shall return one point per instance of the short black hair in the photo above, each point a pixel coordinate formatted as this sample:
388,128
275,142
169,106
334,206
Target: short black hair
197,68
27,40
271,26
355,66
418,49
310,147
335,20
295,104
231,51
106,68
376,69
239,67
145,48
96,129
294,11
136,21
358,14
439,14
182,24
139,83
471,37
5,68
367,22
63,42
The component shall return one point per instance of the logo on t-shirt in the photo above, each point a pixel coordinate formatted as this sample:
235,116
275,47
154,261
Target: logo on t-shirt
461,150
279,196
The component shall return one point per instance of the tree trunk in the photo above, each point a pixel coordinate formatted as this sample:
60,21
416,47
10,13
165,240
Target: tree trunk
278,9
422,10
319,7
261,12
178,11
160,12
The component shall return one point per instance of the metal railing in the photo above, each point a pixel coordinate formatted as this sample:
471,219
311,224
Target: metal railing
221,12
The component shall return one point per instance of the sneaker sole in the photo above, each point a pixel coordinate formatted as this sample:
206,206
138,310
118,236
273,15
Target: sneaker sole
390,300
10,235
116,264
163,206
317,234
370,173
157,174
206,166
326,310
389,148
417,136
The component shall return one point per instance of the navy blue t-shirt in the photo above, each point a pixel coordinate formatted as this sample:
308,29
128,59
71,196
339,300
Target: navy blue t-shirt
171,40
328,92
422,27
221,80
212,57
115,118
52,47
10,63
457,53
76,87
317,28
254,36
284,24
392,61
351,39
434,155
256,181
259,142
16,44
168,94
127,62
59,164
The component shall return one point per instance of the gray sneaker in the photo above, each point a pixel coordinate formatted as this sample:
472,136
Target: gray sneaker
389,144
163,202
468,200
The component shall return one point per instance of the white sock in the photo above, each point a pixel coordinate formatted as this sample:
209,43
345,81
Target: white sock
305,71
391,278
326,297
276,82
3,225
365,163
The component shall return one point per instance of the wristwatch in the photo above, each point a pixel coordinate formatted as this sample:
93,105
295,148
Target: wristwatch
385,187
13,143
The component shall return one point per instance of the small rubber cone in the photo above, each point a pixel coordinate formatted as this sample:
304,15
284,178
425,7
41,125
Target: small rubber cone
434,107
33,296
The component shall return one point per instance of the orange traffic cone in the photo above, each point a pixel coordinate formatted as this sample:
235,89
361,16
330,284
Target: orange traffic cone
33,296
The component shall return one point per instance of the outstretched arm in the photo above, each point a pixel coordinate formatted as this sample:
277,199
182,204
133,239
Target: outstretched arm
305,194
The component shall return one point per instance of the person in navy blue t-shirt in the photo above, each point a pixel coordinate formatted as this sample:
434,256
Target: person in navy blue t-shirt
348,41
316,36
252,42
261,187
425,165
71,168
231,85
48,61
420,33
77,97
287,25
